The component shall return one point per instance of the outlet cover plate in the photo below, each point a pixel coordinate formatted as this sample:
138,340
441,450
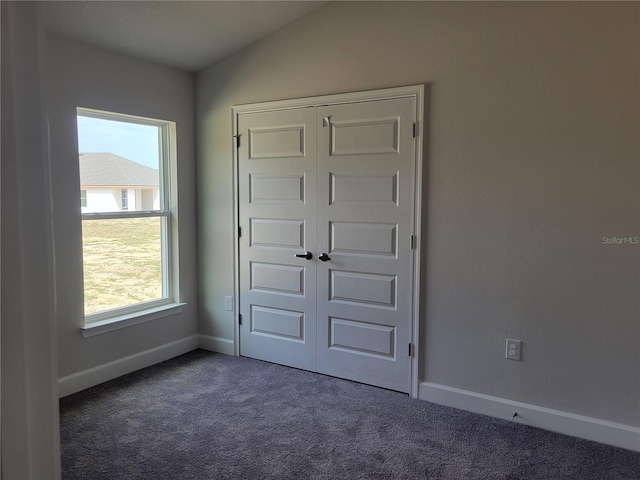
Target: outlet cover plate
228,303
513,350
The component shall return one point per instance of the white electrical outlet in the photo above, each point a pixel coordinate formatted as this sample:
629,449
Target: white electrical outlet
228,303
513,349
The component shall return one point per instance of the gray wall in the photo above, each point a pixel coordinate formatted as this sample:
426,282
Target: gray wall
82,76
532,155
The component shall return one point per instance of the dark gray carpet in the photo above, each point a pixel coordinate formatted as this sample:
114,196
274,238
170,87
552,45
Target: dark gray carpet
208,416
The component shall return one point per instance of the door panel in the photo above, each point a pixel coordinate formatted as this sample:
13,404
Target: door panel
281,141
358,188
282,189
365,136
276,279
361,338
365,239
285,325
365,198
357,288
276,233
276,173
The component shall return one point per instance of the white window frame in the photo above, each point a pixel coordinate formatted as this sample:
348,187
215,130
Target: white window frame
115,318
124,199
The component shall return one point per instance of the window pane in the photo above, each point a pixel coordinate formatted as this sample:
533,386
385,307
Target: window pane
122,262
119,161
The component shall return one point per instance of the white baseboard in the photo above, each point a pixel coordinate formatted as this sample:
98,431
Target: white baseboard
602,431
94,376
216,344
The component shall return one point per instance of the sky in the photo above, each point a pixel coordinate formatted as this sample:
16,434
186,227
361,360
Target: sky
138,143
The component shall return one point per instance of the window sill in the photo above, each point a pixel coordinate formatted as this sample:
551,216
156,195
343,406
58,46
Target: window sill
130,319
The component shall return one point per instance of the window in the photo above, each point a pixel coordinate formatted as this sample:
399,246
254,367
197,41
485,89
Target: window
127,251
125,199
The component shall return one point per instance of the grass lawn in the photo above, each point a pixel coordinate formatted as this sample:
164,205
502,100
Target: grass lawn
122,262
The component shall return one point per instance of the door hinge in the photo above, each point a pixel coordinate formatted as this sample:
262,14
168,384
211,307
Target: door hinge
239,232
237,137
412,242
239,319
411,349
414,129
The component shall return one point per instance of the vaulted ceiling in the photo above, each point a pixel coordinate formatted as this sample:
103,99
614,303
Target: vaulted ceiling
188,35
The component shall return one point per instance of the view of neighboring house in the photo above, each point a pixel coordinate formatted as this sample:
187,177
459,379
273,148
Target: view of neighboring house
110,183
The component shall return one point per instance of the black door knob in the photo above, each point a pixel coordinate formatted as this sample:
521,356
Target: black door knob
324,257
307,255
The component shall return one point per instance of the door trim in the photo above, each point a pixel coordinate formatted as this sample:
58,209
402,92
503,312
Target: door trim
415,91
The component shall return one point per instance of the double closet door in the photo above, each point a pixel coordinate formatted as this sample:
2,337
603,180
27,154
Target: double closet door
326,212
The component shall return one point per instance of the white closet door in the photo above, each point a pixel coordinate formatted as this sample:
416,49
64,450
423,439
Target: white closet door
276,176
337,182
365,208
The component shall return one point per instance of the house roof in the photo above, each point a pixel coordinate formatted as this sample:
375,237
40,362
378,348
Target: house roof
108,169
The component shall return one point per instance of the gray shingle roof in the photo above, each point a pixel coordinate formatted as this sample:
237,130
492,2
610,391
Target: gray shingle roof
108,169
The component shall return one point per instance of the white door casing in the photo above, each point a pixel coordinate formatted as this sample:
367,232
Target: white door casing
335,176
